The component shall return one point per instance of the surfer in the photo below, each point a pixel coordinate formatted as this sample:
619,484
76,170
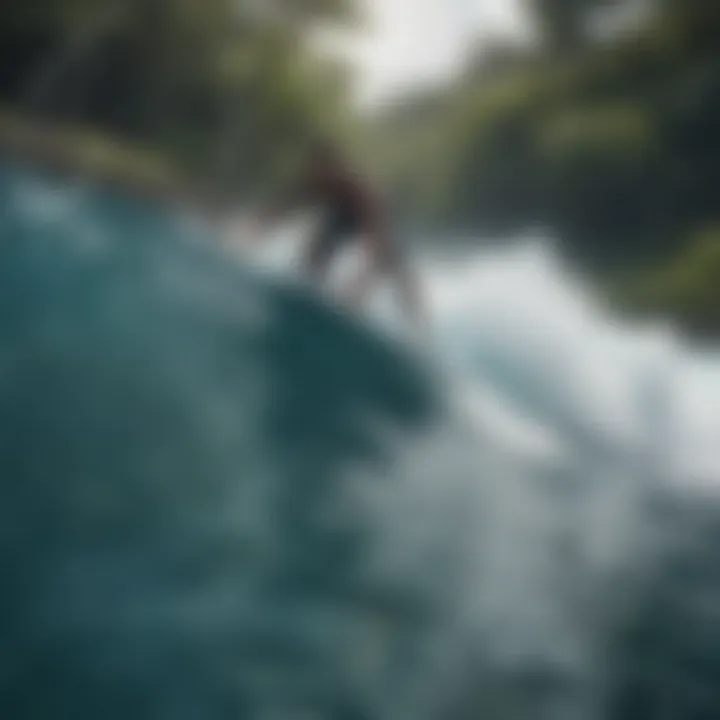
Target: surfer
352,213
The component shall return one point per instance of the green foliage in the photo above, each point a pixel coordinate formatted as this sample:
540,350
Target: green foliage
687,288
221,86
564,24
615,150
612,147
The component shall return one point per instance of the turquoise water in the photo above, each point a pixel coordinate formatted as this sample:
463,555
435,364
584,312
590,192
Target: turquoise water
223,498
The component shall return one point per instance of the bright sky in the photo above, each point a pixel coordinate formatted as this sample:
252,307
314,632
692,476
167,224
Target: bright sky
418,42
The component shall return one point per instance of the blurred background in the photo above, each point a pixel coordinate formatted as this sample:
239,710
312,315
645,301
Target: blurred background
594,121
222,498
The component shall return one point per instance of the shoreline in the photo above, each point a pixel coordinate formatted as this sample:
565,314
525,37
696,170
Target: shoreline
77,153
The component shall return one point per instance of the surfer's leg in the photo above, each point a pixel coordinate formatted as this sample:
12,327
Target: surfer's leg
319,254
407,289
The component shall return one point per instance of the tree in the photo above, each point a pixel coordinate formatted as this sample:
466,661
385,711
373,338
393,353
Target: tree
564,25
201,80
613,151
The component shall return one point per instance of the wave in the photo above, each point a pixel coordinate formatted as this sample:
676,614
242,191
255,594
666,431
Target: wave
221,497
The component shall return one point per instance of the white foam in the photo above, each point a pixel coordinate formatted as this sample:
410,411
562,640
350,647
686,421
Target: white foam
517,326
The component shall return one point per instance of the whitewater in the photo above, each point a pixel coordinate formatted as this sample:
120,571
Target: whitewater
541,521
536,356
224,498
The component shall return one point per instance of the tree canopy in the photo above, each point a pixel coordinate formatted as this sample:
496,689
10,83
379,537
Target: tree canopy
610,144
226,87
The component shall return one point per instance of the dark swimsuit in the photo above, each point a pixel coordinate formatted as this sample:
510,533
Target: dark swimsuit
343,220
